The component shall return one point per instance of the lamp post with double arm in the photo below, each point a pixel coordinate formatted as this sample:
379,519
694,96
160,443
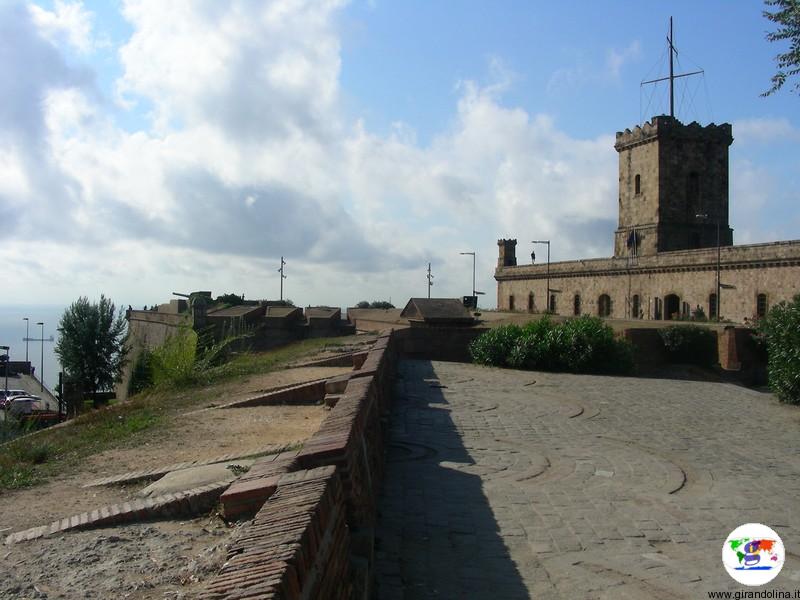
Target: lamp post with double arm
41,364
474,293
27,335
6,358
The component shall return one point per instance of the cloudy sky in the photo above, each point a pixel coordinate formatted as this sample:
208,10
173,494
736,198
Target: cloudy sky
152,146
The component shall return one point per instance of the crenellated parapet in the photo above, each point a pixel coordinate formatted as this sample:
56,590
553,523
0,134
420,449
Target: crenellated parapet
664,127
507,253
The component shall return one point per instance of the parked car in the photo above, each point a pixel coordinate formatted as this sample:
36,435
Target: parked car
6,398
25,405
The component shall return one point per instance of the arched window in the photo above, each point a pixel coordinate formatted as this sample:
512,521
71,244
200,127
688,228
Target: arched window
511,302
637,184
712,306
761,305
658,309
604,305
576,305
530,302
636,306
552,303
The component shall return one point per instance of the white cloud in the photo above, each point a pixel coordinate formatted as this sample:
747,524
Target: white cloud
764,131
68,22
616,59
249,158
586,71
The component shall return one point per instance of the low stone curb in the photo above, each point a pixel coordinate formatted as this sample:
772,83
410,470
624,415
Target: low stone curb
350,359
134,476
308,392
180,504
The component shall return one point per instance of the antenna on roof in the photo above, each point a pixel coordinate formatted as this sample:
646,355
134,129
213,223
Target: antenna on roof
430,280
672,77
283,263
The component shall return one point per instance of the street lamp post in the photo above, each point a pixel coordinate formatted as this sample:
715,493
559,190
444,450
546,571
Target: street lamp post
5,368
547,293
473,275
719,250
41,364
27,335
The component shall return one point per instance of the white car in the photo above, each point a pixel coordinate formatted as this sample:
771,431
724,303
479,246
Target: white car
6,397
26,405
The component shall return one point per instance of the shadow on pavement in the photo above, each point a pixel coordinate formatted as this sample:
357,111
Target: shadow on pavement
437,536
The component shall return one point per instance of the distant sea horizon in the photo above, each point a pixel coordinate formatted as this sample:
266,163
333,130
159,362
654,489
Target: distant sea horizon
12,333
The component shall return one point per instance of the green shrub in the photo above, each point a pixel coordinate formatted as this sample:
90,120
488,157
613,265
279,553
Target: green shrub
582,345
781,330
531,348
172,363
690,344
494,347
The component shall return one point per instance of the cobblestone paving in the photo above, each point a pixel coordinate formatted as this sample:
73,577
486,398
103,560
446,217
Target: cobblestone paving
505,484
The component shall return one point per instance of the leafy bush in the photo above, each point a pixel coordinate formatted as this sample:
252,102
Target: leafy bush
230,299
172,363
494,347
690,344
781,330
582,345
185,358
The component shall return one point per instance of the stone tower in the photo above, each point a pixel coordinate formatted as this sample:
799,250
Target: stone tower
507,253
673,187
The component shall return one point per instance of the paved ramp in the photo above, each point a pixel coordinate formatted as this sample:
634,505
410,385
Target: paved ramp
508,484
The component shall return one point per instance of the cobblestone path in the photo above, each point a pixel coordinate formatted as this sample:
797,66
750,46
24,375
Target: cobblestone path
506,484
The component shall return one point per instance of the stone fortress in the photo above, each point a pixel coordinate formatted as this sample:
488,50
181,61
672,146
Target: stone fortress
673,247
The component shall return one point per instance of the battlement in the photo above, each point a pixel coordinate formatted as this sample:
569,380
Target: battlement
664,127
507,253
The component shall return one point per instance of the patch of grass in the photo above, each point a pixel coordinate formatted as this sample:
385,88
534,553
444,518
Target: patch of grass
30,460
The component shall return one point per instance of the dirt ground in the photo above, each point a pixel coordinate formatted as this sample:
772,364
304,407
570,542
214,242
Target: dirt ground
152,560
165,559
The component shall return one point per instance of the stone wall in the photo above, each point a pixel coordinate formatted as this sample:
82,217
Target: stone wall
682,172
746,271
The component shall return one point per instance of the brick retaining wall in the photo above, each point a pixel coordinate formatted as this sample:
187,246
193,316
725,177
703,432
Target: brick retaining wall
313,535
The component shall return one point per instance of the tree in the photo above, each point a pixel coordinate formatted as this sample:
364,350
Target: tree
375,304
230,299
91,346
787,16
